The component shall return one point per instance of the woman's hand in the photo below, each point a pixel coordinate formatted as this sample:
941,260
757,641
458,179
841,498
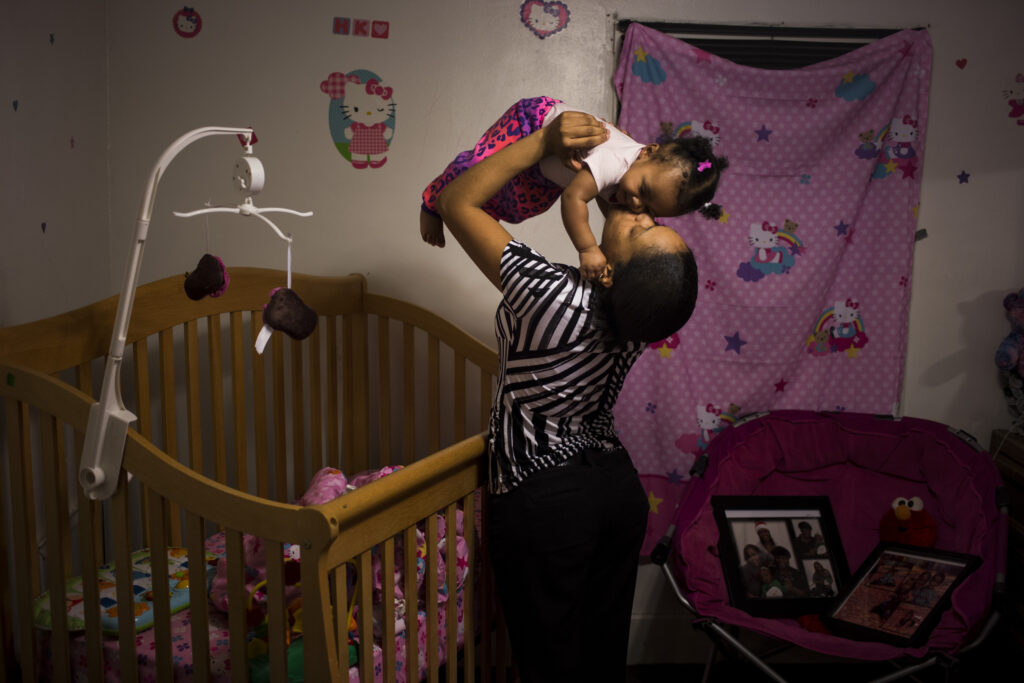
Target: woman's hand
572,132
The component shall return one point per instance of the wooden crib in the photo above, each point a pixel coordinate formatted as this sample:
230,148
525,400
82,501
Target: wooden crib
225,438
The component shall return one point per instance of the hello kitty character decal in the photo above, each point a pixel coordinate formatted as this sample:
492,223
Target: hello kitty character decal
187,22
1015,98
839,329
361,117
544,18
898,152
775,250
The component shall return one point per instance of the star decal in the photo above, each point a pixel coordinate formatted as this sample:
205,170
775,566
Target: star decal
849,236
780,386
909,168
640,55
852,352
703,56
917,207
654,501
674,477
963,177
891,166
734,343
664,352
763,133
841,228
848,77
724,218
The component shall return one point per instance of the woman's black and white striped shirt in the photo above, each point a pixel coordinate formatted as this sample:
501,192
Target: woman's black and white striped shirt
559,373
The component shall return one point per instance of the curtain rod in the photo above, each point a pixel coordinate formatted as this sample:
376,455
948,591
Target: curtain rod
761,30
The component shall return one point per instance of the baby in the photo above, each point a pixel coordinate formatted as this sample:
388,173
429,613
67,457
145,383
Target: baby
669,179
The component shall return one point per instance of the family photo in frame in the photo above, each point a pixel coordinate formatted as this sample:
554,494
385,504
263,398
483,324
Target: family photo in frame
781,555
899,594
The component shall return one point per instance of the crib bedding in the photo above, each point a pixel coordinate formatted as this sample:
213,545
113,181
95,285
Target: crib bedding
328,483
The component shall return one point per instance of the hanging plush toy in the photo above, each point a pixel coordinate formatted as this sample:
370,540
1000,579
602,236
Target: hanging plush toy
908,522
210,278
286,312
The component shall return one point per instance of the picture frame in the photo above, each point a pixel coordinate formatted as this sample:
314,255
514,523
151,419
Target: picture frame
781,555
899,593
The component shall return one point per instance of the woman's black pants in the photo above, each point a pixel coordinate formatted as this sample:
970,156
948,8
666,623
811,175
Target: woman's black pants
565,545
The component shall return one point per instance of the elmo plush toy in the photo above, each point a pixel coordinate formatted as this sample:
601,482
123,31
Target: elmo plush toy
908,522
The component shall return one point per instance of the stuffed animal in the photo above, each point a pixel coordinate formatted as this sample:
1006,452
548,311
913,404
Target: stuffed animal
1008,354
906,521
210,278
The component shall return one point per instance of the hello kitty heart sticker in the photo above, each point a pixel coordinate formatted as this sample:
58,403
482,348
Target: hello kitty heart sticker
544,18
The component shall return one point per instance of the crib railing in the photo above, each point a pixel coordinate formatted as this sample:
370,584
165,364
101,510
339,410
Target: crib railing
379,382
45,422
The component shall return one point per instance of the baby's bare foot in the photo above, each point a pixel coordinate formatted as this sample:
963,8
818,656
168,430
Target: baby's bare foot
431,229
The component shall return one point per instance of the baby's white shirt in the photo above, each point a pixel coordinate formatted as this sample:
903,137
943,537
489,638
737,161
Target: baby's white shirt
607,162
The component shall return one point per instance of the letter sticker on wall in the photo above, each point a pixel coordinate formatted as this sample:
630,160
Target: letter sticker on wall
361,116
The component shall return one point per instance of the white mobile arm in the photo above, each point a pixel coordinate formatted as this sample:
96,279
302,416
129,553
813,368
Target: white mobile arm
109,420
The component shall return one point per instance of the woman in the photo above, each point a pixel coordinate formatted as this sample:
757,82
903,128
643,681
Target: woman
567,512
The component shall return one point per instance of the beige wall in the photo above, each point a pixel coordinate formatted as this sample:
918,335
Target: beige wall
121,82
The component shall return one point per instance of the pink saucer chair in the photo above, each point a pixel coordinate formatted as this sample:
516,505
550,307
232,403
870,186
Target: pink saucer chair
861,462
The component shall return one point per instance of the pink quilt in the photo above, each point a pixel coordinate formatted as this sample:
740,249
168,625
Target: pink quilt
805,280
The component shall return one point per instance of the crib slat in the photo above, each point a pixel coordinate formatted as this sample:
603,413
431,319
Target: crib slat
260,422
451,566
434,393
88,518
18,438
277,621
459,397
60,480
485,399
6,601
342,612
468,588
125,593
217,398
281,491
298,420
430,570
140,363
198,604
360,394
316,444
412,636
409,391
384,375
170,421
55,519
333,444
161,589
365,621
388,608
238,402
237,597
192,389
347,368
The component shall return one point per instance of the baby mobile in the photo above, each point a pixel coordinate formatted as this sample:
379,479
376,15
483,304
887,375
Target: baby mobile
285,311
109,420
361,117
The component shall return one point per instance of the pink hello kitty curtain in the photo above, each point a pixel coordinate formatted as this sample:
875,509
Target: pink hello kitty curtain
805,280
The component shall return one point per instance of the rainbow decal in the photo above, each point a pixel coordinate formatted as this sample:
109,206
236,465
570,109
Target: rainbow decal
684,129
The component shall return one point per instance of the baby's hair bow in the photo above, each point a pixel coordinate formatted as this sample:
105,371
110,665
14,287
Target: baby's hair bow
703,166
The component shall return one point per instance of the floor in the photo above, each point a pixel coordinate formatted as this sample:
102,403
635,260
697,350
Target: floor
990,661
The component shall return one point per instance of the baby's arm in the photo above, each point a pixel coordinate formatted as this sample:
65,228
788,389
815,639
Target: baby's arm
577,193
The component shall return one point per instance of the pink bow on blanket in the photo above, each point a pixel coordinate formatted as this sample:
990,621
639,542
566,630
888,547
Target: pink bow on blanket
850,303
375,88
